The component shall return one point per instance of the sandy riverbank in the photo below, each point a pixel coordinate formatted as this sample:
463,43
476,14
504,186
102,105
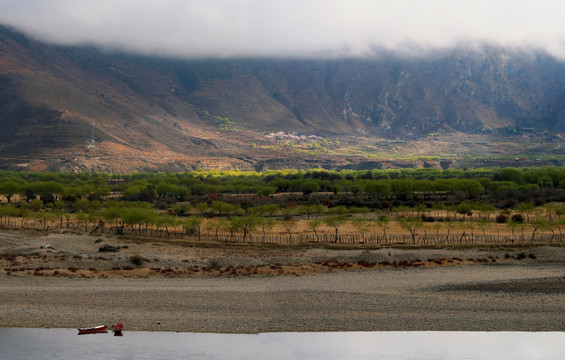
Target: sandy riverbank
309,289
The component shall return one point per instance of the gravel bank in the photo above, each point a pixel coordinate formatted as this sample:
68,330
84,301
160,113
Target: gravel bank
487,297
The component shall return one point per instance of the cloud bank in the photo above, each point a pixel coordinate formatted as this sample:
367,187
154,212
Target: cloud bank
295,28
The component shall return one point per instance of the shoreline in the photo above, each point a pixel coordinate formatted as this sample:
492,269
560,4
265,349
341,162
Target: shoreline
462,298
308,289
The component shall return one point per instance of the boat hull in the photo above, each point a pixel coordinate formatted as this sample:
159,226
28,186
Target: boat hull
93,330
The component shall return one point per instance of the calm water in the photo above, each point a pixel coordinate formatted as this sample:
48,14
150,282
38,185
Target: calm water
65,344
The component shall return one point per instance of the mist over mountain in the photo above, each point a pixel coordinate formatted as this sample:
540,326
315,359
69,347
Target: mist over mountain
194,112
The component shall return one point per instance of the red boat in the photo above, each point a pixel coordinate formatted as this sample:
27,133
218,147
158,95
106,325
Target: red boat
93,330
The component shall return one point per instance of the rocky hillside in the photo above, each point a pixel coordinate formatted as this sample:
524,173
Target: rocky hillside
459,91
154,113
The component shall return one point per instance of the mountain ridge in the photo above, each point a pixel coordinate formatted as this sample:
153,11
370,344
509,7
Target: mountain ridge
205,113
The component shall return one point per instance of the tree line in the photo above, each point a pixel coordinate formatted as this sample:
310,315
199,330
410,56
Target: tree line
250,205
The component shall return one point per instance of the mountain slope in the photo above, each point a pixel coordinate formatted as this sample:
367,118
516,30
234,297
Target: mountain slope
153,113
460,91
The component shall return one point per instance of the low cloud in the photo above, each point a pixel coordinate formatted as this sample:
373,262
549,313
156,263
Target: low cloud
299,28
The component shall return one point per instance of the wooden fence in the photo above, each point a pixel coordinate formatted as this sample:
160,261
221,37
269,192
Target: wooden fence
454,238
393,239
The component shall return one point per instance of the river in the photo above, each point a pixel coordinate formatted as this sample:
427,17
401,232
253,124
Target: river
65,344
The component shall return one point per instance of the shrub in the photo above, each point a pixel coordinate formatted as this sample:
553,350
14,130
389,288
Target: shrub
517,218
137,260
501,219
428,218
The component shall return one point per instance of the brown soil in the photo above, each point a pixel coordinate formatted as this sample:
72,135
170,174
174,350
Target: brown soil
68,254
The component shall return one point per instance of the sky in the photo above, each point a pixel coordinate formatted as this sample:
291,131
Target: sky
289,28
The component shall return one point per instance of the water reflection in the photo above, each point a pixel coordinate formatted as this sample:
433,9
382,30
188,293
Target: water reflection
64,344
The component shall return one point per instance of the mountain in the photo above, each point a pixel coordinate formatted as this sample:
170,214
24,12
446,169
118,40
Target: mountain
152,113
